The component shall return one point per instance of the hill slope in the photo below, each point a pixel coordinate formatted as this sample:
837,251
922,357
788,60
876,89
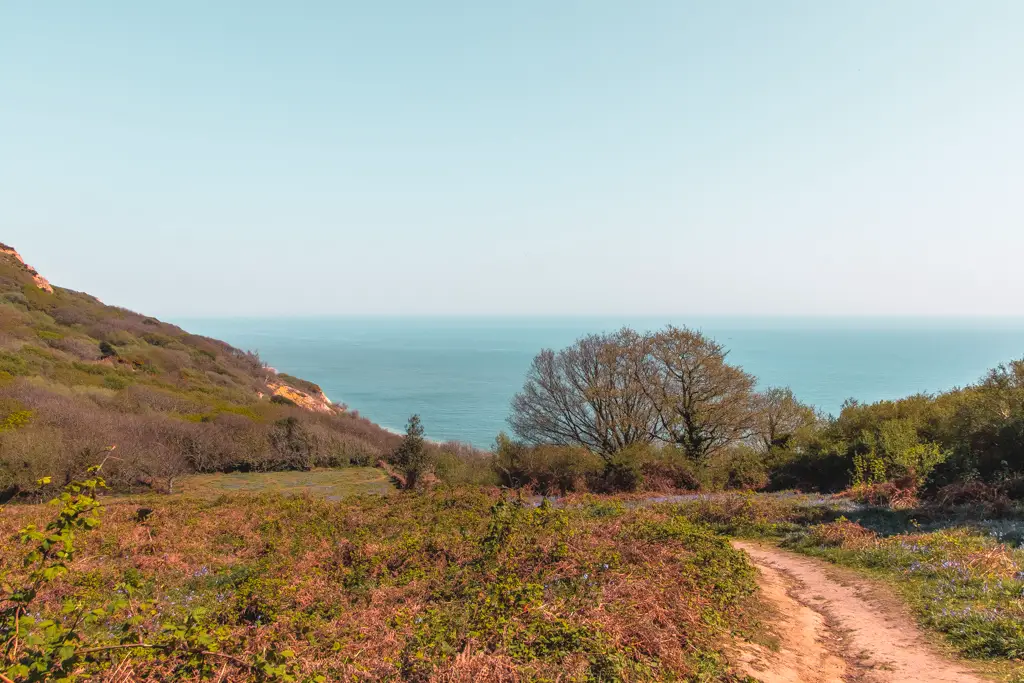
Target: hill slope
78,376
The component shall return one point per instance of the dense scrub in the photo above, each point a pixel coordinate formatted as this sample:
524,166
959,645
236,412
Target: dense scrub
628,411
462,585
77,376
966,444
553,470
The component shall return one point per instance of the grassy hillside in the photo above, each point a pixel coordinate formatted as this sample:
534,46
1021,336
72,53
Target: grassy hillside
78,376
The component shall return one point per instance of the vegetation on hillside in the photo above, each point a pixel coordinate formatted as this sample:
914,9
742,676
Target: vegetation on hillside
77,375
967,443
457,579
662,410
412,457
454,585
613,412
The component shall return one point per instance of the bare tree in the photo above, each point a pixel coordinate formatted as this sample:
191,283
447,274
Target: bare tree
779,416
588,394
703,403
607,392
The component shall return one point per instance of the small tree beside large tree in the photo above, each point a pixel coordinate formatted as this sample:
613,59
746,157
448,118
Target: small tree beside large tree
780,417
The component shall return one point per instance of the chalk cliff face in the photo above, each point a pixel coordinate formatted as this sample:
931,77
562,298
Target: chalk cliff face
315,402
40,281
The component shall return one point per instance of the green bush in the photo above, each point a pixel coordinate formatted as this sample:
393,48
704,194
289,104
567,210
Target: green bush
14,365
13,415
115,382
462,469
412,457
547,469
670,468
740,467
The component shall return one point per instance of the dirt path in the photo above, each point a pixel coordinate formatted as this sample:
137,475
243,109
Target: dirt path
835,626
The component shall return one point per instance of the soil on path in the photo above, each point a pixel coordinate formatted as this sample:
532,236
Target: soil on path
834,626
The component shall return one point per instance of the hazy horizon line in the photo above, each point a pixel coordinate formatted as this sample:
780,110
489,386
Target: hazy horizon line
602,316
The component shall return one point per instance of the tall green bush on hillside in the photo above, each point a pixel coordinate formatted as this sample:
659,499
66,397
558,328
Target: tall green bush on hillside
907,456
412,457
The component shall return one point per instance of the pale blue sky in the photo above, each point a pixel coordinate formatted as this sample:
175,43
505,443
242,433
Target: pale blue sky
586,157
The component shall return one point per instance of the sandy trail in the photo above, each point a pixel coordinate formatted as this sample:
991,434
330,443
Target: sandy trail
834,626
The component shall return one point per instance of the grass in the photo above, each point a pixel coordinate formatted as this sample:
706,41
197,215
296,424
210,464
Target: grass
333,484
448,585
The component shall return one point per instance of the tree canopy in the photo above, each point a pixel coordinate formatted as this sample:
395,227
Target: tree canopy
608,392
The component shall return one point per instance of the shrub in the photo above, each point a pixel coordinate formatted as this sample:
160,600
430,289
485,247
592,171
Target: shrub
412,457
13,415
461,467
740,467
115,382
623,470
547,469
669,468
107,350
841,533
14,365
898,495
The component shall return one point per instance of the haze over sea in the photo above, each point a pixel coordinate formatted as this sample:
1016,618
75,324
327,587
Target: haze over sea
459,374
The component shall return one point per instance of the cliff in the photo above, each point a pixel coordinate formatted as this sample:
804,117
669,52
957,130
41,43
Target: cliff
39,281
317,402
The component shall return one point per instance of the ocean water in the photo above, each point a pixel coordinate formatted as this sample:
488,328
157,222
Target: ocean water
459,374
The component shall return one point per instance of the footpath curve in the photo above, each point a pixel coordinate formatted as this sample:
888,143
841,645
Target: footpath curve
834,626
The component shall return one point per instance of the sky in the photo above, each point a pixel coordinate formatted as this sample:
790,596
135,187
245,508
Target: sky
576,157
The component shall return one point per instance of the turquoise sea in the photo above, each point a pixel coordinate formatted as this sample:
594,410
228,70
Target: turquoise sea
459,374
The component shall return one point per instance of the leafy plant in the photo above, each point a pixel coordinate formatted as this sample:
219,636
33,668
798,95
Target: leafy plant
412,457
63,648
37,650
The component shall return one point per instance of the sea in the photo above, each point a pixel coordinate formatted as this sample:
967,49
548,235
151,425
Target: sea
459,374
